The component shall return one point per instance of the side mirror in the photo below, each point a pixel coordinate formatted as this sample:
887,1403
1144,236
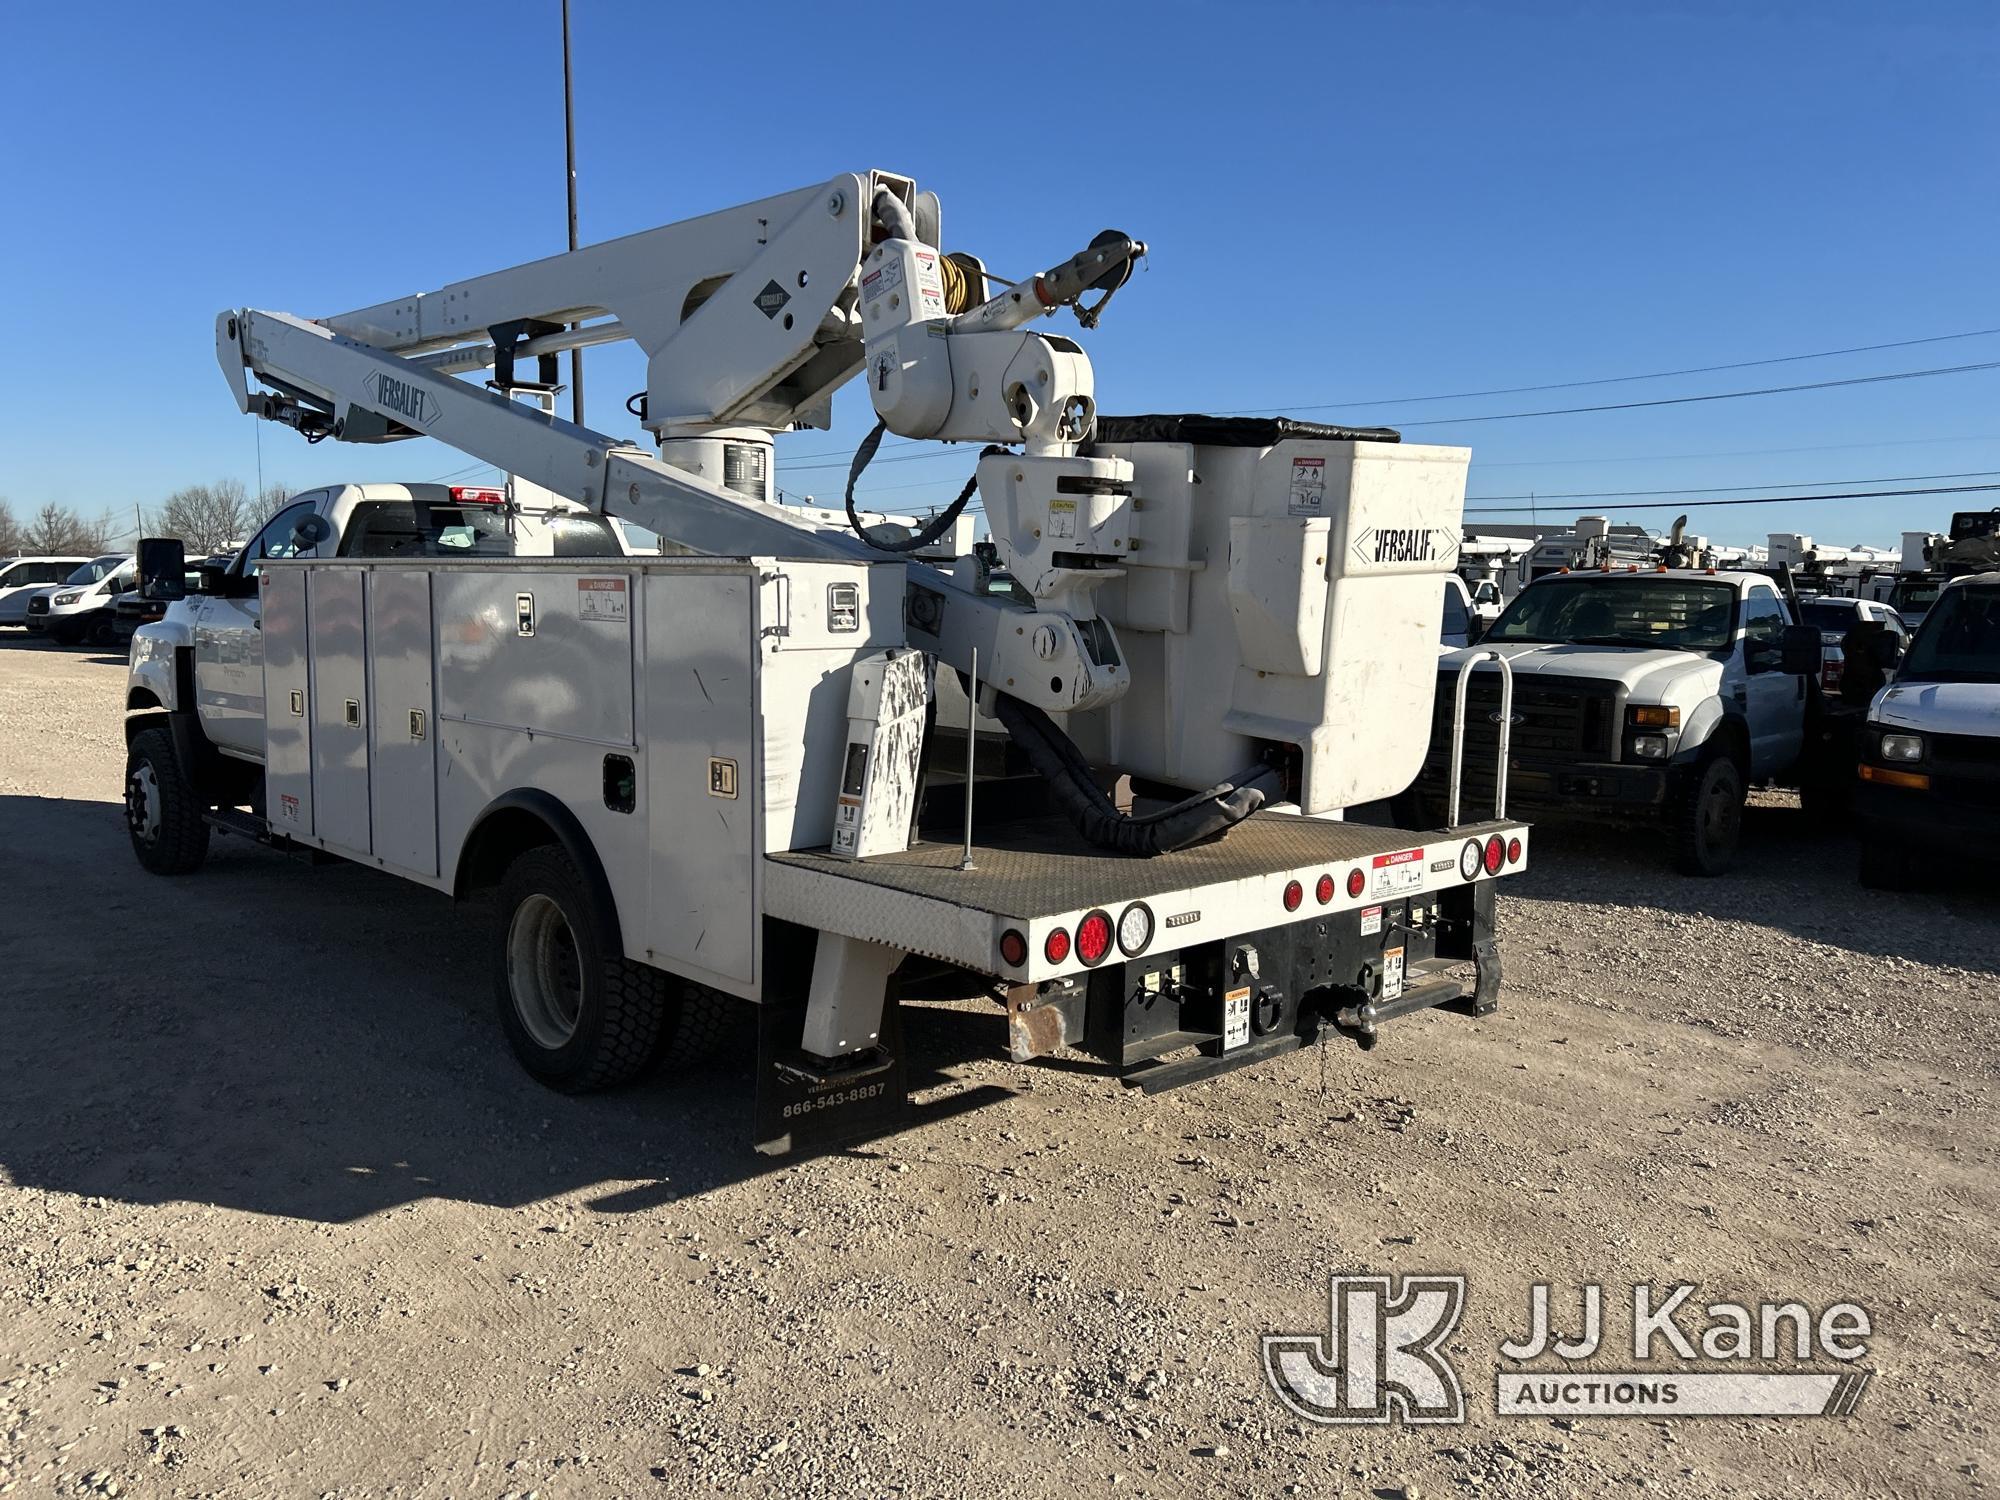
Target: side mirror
1887,649
212,576
162,568
1800,650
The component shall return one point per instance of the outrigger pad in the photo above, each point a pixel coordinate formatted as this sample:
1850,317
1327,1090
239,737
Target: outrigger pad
806,1104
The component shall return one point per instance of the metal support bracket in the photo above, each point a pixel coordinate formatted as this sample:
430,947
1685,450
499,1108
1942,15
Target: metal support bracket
850,976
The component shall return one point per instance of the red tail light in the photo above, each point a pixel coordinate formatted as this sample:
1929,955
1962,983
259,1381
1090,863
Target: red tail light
1323,889
1356,882
1496,851
1294,894
1056,947
1093,938
1013,949
1513,851
465,494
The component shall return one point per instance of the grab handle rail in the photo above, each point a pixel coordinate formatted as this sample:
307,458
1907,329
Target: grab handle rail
1458,731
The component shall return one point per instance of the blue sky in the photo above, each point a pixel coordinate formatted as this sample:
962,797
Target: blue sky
1349,204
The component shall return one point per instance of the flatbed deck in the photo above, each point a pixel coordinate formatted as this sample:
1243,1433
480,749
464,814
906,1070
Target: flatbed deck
1031,875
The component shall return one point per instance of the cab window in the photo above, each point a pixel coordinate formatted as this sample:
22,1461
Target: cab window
1454,613
281,537
1763,618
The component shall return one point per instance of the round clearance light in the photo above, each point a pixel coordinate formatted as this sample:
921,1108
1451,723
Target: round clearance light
1356,882
1056,947
1093,938
1469,859
1496,851
1513,851
1135,929
1013,948
1294,894
1323,889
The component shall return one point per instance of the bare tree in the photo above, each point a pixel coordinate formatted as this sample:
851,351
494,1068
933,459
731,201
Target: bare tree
10,530
56,529
206,517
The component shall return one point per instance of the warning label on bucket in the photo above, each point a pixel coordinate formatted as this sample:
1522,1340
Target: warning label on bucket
1307,496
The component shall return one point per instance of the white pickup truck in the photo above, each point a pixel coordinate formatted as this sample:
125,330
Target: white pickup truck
1654,696
206,655
1929,796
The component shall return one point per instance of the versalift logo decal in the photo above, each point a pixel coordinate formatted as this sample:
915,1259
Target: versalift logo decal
407,403
1404,544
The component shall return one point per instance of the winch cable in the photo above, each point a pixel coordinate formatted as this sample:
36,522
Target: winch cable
940,523
1196,819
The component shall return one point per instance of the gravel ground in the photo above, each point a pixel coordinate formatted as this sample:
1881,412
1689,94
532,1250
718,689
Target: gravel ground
279,1216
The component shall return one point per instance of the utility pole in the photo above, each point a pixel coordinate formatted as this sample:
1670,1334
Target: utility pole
569,149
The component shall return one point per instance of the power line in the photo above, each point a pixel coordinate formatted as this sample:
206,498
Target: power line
1516,390
1569,385
1719,489
1769,390
1958,489
1654,458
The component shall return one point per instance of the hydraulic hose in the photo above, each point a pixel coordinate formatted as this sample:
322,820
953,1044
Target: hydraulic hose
1206,815
940,523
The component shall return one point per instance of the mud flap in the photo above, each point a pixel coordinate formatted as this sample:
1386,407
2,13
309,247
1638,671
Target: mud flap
805,1104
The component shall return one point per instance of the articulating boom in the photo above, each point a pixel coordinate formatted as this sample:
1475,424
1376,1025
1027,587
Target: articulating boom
750,318
1280,572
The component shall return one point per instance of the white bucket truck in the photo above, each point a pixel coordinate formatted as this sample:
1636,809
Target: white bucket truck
720,776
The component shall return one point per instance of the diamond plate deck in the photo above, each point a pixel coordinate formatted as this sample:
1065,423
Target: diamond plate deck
1044,868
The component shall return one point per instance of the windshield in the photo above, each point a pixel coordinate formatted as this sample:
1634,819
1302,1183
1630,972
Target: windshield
1959,641
1828,614
1914,598
96,568
1676,614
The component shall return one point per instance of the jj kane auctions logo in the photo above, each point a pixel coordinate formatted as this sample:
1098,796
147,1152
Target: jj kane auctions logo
1383,1358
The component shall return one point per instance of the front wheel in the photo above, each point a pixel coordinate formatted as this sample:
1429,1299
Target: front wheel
1708,821
162,812
66,633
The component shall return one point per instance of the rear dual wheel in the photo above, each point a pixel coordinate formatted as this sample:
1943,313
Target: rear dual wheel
579,1016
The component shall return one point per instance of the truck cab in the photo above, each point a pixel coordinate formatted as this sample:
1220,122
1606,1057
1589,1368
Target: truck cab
1929,772
1655,696
206,653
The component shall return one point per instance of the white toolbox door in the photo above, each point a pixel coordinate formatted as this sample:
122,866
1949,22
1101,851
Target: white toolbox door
402,737
339,707
702,773
287,691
